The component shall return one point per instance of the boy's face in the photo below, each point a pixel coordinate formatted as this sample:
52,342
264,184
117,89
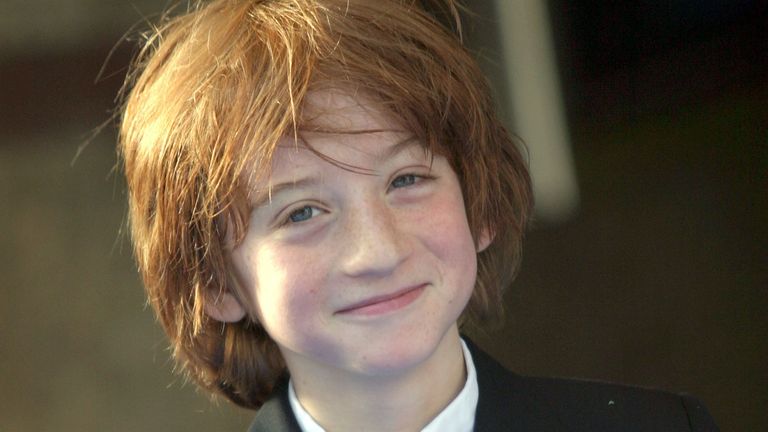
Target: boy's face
363,273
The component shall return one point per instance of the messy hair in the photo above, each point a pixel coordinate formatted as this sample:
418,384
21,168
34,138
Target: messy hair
209,96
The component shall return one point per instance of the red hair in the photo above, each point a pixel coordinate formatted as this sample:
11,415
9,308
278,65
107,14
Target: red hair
211,93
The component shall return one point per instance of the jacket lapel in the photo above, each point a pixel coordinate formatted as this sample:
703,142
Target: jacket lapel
508,402
276,414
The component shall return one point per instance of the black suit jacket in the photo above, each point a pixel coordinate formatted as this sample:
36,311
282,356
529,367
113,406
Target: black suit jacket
510,402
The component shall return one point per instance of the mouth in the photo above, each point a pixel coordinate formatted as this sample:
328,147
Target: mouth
386,303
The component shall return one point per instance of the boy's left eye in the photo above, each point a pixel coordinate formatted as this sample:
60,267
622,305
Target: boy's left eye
404,180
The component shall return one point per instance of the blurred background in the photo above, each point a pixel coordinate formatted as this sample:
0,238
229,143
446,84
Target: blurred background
646,265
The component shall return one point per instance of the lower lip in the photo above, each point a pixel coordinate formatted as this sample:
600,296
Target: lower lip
385,306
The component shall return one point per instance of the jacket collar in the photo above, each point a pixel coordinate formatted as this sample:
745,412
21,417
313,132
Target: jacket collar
507,402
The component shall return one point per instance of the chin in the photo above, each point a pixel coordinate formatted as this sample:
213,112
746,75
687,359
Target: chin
407,352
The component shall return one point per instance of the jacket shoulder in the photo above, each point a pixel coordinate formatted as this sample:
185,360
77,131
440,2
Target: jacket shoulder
591,405
513,402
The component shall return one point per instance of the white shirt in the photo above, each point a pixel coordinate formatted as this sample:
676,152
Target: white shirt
458,416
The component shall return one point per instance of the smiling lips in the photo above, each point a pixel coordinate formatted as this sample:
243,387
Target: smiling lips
382,304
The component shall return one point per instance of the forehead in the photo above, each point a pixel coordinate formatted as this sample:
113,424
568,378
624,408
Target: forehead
342,111
345,126
337,128
344,129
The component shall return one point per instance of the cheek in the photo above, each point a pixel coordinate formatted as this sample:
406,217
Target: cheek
285,291
451,242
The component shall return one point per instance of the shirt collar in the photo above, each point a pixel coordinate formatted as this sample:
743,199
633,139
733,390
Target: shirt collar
458,416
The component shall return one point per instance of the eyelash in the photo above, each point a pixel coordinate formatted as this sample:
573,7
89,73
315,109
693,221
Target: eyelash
417,178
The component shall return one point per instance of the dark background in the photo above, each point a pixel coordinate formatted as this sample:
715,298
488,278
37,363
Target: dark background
658,280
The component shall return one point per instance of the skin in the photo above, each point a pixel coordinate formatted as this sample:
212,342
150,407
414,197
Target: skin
360,277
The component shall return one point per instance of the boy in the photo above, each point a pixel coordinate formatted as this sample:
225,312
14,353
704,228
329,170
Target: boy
320,196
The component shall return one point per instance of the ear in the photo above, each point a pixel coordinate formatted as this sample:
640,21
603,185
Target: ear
485,240
224,307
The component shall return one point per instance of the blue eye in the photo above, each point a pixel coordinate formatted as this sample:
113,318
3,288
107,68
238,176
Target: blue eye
303,214
404,180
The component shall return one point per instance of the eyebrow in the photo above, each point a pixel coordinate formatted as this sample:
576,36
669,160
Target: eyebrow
410,140
265,195
400,146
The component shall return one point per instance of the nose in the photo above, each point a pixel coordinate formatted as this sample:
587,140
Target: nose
375,242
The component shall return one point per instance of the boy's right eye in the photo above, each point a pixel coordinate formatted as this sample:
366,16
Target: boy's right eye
302,214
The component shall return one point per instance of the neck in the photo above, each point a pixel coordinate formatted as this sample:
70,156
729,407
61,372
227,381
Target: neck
407,400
